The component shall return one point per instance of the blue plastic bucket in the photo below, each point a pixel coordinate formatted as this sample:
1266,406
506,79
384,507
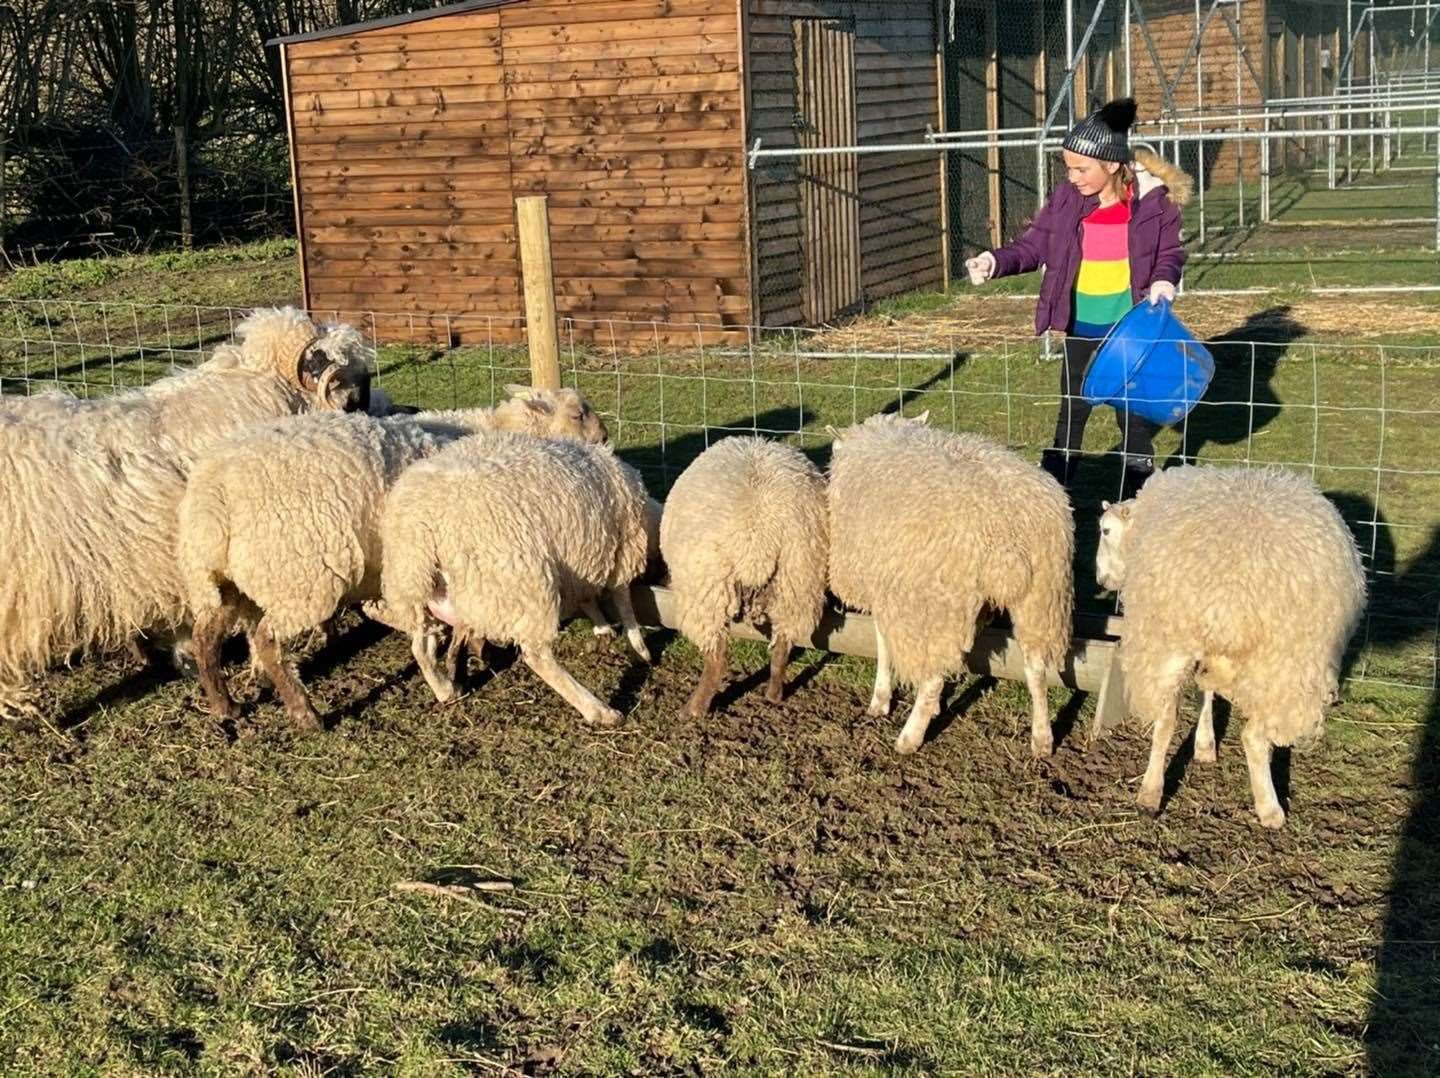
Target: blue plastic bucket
1151,365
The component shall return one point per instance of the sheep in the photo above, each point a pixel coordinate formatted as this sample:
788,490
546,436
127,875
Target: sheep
281,363
744,534
501,536
928,528
1248,580
279,525
89,489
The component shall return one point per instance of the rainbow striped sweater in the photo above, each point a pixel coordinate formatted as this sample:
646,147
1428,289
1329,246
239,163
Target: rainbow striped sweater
1102,288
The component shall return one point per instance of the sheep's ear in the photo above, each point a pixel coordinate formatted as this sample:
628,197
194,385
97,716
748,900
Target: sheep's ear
834,434
519,392
921,419
1105,506
539,405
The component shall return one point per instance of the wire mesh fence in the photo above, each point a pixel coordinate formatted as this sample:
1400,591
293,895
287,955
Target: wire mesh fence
1360,418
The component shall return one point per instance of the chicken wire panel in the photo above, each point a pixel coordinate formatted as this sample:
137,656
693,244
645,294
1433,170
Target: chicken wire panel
1360,418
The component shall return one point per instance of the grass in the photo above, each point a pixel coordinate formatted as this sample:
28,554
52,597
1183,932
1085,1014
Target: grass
242,275
771,889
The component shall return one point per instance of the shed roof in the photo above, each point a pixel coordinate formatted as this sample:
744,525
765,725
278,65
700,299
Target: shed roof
392,20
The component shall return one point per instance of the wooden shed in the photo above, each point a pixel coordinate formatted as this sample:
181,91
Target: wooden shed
412,136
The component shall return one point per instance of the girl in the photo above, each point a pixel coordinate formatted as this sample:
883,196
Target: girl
1107,238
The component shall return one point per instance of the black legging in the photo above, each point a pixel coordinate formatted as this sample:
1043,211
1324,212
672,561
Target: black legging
1138,445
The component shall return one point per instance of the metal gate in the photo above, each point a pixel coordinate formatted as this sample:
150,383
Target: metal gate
829,184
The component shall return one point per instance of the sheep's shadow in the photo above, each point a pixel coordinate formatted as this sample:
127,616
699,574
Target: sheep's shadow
154,674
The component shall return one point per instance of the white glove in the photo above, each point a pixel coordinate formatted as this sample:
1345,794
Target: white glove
1162,290
981,268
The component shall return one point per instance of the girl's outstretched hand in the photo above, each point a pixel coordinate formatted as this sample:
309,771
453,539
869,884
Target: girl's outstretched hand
981,268
1162,290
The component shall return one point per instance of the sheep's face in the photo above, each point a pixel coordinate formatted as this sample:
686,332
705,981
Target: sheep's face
557,413
335,367
1115,524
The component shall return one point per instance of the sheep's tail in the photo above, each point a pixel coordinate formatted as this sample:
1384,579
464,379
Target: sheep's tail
203,549
705,604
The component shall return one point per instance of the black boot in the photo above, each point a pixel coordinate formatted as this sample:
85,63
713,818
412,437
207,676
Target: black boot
1134,478
1060,464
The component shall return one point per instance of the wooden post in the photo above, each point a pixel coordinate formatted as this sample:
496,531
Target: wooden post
539,279
182,163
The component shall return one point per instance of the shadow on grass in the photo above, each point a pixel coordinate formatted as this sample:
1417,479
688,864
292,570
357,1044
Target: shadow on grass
1241,400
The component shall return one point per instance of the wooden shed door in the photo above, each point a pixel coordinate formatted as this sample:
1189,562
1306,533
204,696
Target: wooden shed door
829,184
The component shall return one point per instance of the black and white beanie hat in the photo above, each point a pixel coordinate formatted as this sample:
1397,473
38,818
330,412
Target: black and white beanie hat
1104,134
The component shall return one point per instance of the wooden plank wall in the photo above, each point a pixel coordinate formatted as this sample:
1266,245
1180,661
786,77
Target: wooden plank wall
1172,26
628,115
896,97
403,169
413,141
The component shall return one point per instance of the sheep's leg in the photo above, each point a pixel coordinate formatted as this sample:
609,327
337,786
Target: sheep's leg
1042,738
779,659
1262,783
592,709
1205,731
1152,786
212,628
884,679
626,609
425,646
461,641
282,675
711,678
591,609
925,708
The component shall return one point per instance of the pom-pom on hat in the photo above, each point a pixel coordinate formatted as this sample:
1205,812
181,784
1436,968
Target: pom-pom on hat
1104,134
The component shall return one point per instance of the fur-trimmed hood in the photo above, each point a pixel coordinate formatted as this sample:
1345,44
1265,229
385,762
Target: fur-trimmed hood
1152,171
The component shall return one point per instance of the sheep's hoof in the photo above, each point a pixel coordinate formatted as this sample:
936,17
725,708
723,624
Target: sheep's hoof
607,716
1273,818
906,745
775,694
1042,748
305,719
1204,754
603,630
1149,802
878,709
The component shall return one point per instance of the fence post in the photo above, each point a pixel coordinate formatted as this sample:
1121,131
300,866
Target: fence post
1265,174
538,275
182,166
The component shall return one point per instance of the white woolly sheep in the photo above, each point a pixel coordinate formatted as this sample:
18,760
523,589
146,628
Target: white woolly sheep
744,536
89,489
280,524
1249,581
501,536
927,529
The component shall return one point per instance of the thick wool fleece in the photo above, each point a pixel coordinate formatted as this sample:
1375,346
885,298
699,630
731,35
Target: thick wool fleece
256,378
1252,575
744,534
89,493
928,528
289,512
514,531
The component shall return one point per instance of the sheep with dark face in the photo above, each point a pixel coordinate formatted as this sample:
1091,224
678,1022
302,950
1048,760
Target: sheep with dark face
89,490
1249,582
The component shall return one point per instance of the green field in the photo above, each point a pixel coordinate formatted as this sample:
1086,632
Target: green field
769,890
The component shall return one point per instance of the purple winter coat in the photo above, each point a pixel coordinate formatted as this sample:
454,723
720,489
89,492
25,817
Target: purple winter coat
1053,240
